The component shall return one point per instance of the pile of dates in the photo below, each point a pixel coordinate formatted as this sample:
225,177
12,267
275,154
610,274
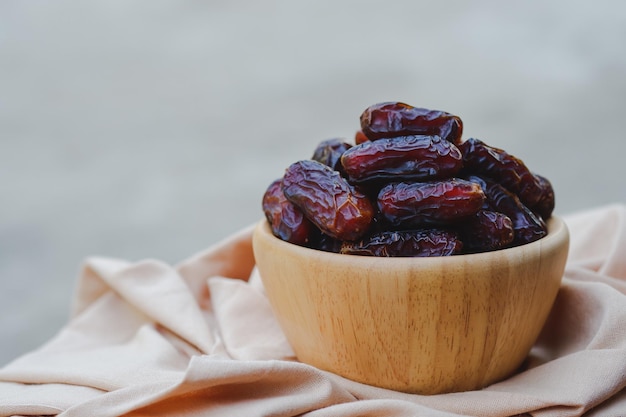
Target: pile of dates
408,186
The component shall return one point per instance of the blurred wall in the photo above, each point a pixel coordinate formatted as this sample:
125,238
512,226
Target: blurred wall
150,129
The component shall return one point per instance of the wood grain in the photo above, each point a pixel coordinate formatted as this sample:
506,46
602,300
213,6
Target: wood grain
420,325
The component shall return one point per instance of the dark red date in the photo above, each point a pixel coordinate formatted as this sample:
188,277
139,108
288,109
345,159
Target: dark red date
436,202
392,119
408,243
329,152
487,231
526,225
506,169
286,220
328,200
545,205
406,157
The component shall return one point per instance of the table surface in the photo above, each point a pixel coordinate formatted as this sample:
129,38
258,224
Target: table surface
151,129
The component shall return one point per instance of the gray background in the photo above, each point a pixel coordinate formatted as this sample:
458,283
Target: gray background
150,129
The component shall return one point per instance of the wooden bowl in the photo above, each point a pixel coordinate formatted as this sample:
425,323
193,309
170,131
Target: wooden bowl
418,325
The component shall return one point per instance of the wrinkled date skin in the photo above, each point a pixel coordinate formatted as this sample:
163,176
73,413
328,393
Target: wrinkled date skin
527,226
406,157
328,200
406,243
392,119
511,172
436,202
329,152
486,231
286,220
545,205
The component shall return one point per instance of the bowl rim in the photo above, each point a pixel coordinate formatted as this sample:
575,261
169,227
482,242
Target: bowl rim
557,234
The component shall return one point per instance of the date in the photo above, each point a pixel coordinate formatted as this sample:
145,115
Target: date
486,231
545,205
406,243
285,219
336,207
328,152
408,204
392,119
506,169
527,226
359,137
406,157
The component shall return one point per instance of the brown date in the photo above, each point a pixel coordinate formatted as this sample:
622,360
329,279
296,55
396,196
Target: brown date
286,220
360,137
336,207
329,152
409,204
526,225
406,243
392,119
406,157
545,205
506,169
487,231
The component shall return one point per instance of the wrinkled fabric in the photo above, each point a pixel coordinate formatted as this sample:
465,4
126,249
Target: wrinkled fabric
200,339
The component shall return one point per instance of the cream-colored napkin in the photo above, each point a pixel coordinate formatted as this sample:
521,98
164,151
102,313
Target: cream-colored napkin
199,339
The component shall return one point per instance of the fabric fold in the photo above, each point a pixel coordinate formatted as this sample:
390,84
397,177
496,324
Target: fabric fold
200,339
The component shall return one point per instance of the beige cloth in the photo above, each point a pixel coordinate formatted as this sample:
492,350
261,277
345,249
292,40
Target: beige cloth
148,339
